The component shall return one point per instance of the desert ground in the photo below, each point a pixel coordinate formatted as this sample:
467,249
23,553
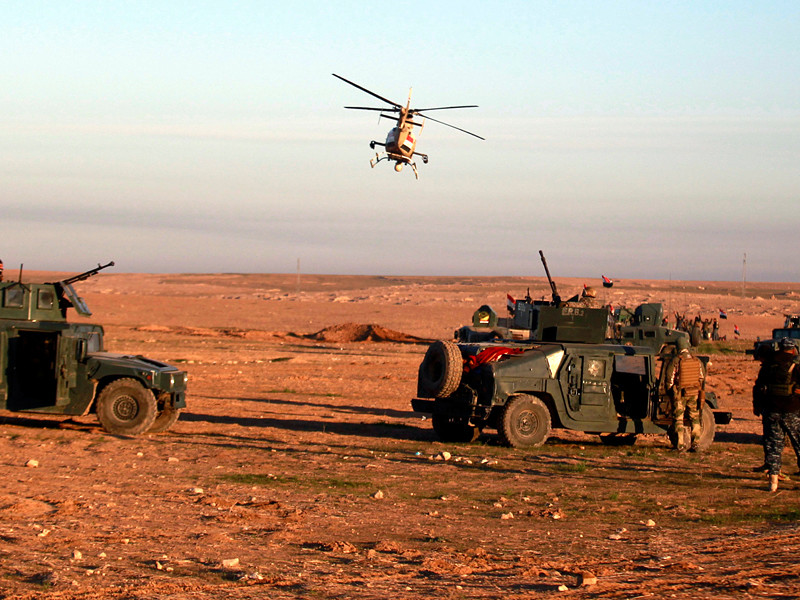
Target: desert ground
299,470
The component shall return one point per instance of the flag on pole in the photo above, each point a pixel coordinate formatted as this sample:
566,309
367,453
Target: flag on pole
722,314
735,330
511,304
607,282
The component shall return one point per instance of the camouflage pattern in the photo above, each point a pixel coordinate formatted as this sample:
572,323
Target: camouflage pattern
684,391
686,405
776,397
778,425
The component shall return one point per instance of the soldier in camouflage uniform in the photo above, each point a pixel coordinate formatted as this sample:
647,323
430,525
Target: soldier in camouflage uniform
776,398
589,297
685,374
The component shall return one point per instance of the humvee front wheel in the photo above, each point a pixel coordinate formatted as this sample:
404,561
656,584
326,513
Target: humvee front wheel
456,430
525,422
166,416
441,369
126,407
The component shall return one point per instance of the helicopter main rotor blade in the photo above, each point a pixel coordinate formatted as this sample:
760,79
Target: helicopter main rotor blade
416,110
452,126
371,108
363,89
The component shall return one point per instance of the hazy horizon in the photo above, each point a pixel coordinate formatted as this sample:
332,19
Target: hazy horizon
631,139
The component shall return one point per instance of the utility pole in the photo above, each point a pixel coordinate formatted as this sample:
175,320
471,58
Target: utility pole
744,272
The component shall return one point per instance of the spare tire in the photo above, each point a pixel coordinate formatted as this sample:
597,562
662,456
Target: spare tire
695,336
441,369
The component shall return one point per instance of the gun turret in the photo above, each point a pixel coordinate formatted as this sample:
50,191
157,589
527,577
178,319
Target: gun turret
86,274
556,297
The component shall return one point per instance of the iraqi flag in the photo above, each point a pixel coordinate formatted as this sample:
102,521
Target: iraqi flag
607,282
722,314
735,330
511,304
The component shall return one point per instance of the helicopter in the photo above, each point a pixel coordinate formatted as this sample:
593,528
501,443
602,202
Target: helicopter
401,142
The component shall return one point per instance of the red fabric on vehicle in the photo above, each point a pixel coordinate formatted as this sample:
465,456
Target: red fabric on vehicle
488,355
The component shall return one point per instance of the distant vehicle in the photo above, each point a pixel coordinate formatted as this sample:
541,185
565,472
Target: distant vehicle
48,365
554,365
401,143
791,329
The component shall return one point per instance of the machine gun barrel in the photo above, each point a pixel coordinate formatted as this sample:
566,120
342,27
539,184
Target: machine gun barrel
86,274
556,297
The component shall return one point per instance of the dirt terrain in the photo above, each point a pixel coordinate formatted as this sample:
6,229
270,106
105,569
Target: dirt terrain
298,469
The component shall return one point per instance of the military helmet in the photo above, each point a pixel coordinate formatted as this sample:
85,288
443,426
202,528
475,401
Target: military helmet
682,343
787,345
589,292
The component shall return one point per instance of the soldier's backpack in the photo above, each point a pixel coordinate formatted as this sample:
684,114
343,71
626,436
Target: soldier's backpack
690,370
779,387
779,379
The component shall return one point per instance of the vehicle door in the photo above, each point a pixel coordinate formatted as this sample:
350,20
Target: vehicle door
31,369
66,368
588,387
663,408
3,367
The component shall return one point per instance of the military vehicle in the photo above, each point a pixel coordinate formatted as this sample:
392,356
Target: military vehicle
791,329
554,364
48,365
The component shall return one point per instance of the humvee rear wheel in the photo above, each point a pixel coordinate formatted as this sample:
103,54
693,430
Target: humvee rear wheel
441,369
525,422
708,429
126,407
455,430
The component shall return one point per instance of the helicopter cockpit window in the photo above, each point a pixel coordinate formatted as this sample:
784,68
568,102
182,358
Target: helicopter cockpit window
45,299
13,297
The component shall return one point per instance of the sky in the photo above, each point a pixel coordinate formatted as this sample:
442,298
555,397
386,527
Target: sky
634,139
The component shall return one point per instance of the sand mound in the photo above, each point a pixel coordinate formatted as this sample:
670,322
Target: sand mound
346,332
356,332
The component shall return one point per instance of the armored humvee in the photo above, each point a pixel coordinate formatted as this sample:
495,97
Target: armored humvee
555,364
791,329
48,365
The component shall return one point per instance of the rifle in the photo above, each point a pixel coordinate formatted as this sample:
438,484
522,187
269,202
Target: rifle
86,274
556,297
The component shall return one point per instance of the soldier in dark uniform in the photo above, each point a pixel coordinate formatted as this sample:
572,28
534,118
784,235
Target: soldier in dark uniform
776,398
685,374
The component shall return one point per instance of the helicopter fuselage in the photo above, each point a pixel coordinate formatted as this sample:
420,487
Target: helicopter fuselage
400,143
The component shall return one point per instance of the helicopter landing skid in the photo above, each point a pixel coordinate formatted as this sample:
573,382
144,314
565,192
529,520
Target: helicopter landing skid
378,158
383,156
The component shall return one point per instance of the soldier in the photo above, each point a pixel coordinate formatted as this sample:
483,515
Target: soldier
588,297
684,381
776,399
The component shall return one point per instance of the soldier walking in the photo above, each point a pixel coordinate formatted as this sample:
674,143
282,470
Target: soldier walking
684,381
776,399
